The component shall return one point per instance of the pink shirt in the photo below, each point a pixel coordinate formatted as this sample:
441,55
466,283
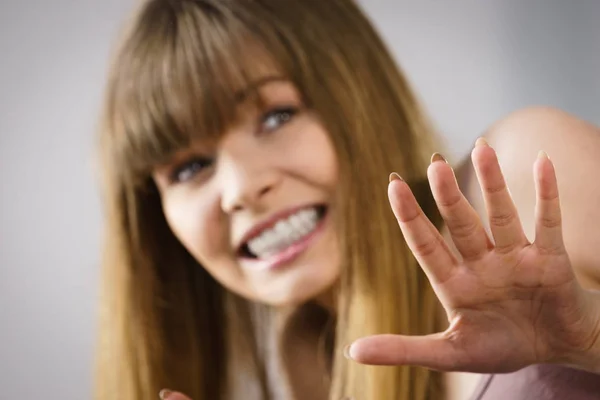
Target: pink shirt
540,382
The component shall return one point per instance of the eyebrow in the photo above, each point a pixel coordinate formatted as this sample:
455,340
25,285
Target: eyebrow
243,94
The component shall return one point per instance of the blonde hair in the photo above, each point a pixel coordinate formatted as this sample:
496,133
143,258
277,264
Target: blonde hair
165,322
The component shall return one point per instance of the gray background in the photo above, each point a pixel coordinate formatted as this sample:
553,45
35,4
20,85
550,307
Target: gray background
470,61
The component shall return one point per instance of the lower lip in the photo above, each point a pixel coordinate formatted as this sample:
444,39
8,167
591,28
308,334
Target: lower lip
289,253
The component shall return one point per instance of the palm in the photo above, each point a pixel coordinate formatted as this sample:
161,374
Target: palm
510,302
503,304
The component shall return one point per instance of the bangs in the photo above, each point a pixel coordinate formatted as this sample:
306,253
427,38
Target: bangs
181,76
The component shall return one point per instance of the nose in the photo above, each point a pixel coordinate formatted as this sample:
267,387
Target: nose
245,187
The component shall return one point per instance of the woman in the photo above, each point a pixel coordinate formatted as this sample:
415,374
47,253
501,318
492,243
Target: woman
245,147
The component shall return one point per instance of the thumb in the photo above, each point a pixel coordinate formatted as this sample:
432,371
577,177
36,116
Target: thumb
434,351
167,394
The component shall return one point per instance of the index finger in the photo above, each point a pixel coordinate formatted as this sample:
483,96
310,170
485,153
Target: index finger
423,239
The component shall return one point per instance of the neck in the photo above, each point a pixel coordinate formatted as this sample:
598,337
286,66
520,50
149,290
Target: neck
306,339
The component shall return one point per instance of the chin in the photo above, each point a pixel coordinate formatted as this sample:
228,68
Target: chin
307,287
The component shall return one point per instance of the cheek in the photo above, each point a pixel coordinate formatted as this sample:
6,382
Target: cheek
195,223
314,156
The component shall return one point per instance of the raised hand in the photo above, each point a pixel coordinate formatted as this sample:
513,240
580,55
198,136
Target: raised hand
510,303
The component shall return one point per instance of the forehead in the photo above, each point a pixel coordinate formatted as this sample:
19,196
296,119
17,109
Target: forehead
170,117
182,78
257,98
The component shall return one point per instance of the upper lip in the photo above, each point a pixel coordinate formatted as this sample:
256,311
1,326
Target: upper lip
259,227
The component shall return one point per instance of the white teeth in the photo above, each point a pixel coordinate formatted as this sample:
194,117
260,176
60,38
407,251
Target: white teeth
283,228
296,222
284,233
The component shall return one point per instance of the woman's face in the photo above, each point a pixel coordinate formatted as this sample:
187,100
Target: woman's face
256,208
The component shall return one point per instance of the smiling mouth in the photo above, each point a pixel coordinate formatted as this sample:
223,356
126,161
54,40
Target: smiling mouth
284,233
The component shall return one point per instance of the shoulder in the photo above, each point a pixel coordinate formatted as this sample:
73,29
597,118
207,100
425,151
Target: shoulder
519,136
572,143
542,128
574,147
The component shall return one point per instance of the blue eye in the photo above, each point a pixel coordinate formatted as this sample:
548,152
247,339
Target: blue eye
189,169
277,117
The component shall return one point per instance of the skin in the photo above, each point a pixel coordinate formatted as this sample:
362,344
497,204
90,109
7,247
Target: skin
509,267
505,300
265,164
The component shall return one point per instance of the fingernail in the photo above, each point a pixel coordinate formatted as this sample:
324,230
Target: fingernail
543,155
437,157
347,352
163,394
481,142
394,176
